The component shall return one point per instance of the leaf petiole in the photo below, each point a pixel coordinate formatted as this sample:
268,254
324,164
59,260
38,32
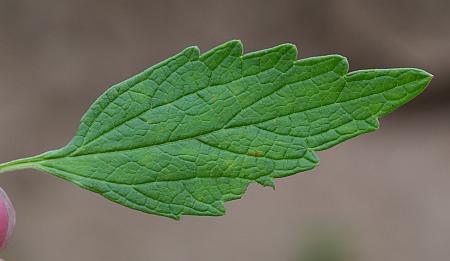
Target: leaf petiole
19,164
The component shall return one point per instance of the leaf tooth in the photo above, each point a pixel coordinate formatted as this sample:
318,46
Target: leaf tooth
266,181
289,51
338,62
192,53
214,56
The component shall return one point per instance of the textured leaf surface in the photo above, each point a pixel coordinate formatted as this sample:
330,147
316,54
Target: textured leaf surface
192,132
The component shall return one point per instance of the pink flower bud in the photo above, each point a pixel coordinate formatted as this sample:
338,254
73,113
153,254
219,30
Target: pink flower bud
7,218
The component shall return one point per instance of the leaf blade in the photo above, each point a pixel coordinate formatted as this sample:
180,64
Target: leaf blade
192,132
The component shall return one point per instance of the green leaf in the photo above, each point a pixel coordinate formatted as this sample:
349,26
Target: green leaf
195,130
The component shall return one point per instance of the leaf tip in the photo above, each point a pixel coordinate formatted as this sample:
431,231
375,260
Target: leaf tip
422,79
428,76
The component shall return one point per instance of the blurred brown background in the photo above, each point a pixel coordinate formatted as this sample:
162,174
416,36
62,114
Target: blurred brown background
382,196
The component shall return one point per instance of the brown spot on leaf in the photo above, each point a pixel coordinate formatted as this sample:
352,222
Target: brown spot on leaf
255,153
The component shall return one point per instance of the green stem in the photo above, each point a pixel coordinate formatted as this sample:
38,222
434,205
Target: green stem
20,164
